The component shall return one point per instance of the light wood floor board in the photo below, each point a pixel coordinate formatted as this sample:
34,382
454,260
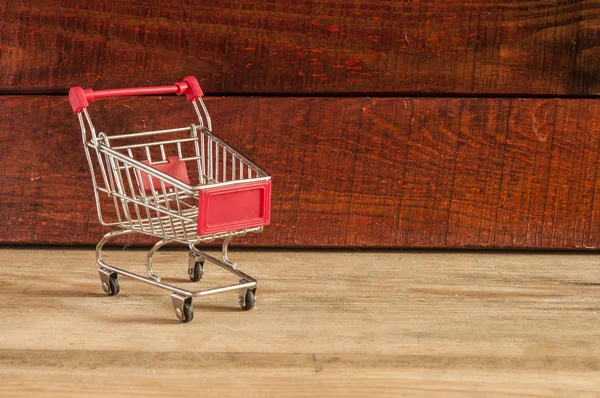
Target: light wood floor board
335,324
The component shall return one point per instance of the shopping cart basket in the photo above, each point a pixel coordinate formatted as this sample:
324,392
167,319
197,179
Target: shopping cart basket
181,185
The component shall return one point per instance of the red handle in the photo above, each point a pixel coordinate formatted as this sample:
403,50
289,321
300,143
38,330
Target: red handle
81,98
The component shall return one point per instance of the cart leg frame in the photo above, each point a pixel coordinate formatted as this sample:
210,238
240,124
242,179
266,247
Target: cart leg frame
246,287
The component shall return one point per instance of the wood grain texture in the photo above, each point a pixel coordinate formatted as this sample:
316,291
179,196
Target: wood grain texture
325,324
482,173
322,46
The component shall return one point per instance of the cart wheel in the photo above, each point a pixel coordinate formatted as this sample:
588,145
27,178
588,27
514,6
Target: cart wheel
188,312
112,288
198,271
183,307
247,301
110,283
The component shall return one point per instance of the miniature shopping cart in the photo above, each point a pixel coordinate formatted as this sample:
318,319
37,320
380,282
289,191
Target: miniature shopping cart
181,185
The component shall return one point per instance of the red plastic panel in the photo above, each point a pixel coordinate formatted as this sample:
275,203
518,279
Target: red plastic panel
234,207
174,167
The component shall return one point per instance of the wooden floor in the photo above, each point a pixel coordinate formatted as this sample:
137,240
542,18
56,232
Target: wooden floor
335,324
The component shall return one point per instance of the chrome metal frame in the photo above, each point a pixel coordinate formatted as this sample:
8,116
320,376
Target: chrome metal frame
167,207
247,281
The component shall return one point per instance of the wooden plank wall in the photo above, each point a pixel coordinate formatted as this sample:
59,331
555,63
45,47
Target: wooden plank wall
384,123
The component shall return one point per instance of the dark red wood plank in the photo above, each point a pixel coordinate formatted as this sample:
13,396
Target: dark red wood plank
364,172
321,46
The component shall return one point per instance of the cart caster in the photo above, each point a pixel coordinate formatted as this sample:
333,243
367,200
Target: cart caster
109,280
183,307
195,268
247,299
